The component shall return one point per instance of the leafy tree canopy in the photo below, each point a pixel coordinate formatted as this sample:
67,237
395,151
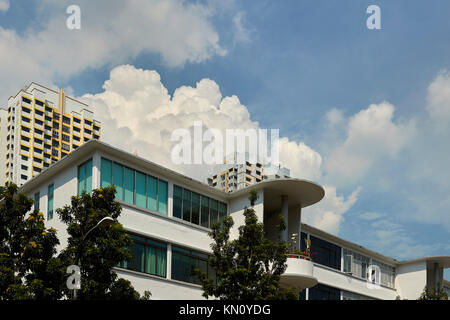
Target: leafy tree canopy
249,267
97,249
29,268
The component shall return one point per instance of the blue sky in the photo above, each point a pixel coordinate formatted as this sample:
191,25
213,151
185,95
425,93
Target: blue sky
289,63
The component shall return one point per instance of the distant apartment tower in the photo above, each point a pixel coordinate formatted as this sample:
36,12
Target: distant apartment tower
234,176
42,126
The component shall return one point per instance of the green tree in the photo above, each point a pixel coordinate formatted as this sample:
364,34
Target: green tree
97,252
249,267
438,293
29,268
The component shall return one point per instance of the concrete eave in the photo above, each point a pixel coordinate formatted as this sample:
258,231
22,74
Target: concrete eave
443,261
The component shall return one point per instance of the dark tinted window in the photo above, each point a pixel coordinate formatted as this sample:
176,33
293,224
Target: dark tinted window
325,253
323,292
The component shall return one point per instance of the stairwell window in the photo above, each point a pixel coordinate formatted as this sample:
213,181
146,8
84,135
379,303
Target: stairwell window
85,177
36,201
50,196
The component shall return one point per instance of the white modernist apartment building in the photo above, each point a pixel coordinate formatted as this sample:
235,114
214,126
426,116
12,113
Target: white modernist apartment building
169,215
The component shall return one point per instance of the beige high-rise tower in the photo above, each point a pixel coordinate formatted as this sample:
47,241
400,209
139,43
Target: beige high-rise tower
42,126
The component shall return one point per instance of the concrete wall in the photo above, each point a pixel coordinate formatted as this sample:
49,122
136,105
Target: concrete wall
411,279
236,210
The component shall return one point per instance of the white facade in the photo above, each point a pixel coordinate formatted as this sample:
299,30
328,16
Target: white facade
283,195
3,131
42,126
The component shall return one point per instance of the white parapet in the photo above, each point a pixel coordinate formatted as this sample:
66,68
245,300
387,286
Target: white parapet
299,273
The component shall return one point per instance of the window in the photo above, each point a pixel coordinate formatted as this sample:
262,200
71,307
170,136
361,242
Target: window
147,256
387,273
356,264
204,218
36,201
152,191
162,196
323,292
118,180
50,192
213,212
106,176
197,209
185,261
140,189
135,187
129,185
177,198
66,120
346,295
85,177
26,100
65,137
327,253
186,205
65,147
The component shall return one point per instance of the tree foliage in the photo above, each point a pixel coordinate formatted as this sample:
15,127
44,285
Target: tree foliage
29,268
249,267
437,293
96,250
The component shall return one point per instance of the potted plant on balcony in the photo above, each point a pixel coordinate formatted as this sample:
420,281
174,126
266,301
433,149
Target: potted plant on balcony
296,253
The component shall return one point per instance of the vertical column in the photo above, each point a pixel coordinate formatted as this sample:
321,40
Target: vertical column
169,261
96,163
170,199
436,275
285,214
299,237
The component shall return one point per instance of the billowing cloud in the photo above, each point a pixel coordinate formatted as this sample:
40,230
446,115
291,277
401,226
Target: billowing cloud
328,214
438,99
4,5
179,31
372,135
241,32
138,114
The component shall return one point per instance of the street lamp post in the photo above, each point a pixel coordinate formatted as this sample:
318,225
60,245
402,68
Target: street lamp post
106,221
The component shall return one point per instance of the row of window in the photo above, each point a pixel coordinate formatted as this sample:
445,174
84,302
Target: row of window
150,256
358,264
196,208
329,254
324,292
135,187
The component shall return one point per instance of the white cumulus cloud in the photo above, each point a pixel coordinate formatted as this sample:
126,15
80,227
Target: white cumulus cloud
178,31
4,5
138,114
328,214
372,135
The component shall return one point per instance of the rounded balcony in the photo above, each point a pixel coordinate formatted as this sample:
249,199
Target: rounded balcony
299,272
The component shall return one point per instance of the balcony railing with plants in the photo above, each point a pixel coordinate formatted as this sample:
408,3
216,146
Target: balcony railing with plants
298,254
